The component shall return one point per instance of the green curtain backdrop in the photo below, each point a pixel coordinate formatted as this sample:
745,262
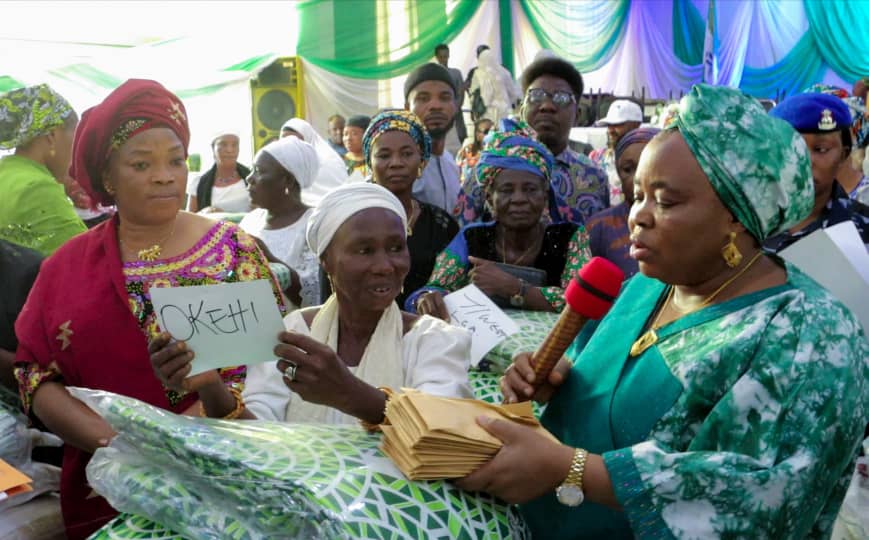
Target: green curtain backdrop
366,38
505,19
841,31
802,67
689,31
87,75
832,39
8,83
586,33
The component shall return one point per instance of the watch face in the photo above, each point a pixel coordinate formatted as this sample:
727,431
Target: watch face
569,495
517,300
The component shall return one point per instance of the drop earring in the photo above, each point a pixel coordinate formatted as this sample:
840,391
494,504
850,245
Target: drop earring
731,254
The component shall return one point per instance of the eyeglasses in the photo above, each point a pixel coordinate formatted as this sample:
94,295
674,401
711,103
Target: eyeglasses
560,98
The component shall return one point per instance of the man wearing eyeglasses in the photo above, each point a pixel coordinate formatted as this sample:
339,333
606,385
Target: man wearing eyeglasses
552,88
623,116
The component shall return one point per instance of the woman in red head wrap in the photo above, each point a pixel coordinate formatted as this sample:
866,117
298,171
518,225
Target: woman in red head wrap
88,320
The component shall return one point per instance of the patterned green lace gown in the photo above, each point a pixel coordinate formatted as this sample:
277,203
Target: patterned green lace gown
743,421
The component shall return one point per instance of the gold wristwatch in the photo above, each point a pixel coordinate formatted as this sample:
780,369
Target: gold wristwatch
518,299
570,493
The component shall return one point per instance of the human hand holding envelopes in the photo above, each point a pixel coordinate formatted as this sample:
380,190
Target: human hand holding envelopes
433,438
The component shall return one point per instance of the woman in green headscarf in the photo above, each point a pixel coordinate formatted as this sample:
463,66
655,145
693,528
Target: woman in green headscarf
39,124
725,393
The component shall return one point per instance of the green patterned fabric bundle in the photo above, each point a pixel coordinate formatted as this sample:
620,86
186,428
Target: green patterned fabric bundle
132,527
221,479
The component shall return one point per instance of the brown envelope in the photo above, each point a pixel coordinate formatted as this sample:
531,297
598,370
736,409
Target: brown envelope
430,437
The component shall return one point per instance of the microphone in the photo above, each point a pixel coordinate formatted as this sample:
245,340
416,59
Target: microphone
589,296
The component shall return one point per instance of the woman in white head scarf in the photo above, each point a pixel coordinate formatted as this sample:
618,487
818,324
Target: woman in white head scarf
333,172
282,171
497,88
339,360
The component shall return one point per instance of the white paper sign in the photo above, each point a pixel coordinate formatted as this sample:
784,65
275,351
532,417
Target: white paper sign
470,308
226,324
836,258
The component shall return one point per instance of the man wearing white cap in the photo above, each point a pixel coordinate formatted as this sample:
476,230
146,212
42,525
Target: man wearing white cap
622,116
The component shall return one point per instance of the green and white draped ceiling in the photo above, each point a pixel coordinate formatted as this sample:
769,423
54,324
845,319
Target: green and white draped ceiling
356,53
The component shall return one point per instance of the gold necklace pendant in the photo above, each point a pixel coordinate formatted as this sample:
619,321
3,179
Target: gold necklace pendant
651,337
644,342
150,254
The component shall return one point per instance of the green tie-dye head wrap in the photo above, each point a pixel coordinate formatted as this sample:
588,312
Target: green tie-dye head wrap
27,113
758,165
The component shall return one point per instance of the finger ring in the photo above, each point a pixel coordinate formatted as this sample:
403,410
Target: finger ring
290,371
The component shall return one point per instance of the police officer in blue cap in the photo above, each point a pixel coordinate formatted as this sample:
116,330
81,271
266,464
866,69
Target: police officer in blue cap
825,123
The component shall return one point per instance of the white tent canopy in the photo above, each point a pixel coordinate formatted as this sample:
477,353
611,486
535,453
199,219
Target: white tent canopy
204,51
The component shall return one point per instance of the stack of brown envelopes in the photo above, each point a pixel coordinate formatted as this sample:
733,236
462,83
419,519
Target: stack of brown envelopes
431,438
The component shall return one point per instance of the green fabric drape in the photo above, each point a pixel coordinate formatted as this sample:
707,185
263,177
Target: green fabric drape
586,33
365,51
689,31
87,75
802,67
251,64
505,18
8,83
840,31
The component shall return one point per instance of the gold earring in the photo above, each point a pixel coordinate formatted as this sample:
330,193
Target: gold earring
51,151
732,255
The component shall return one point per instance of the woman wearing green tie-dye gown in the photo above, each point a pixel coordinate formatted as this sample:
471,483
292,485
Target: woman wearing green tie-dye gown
722,396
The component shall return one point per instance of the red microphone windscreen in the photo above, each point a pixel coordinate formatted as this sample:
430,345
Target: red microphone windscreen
594,289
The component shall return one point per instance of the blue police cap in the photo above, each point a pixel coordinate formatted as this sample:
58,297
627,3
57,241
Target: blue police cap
813,113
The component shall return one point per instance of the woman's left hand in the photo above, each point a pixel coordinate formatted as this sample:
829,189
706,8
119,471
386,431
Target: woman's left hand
320,375
527,466
172,363
492,280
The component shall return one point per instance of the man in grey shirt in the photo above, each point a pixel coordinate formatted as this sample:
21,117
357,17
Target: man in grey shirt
430,93
442,54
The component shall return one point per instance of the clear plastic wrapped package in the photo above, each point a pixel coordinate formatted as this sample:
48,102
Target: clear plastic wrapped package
246,480
17,441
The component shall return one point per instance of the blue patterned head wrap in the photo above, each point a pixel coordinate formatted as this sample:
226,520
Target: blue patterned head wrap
514,146
396,120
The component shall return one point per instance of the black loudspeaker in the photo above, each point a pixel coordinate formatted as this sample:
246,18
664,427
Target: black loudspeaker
276,96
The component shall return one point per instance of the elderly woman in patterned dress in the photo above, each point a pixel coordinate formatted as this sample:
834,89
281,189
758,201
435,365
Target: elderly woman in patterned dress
514,171
725,393
89,317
